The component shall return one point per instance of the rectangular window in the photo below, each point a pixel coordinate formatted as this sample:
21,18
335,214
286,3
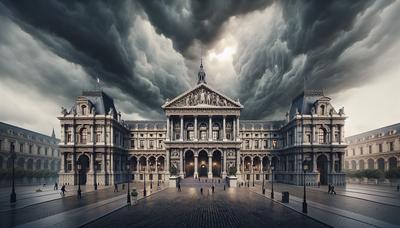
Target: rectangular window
160,144
265,144
141,144
38,150
215,135
132,143
98,136
151,144
354,152
380,148
69,137
69,165
45,151
370,149
308,138
274,144
390,146
256,144
30,149
361,151
247,144
191,135
21,147
203,135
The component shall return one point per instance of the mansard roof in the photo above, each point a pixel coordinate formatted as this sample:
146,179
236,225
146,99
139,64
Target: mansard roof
198,97
383,131
6,128
149,124
261,124
102,102
304,102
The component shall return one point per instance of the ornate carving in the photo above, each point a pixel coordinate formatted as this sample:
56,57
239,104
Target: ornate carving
202,96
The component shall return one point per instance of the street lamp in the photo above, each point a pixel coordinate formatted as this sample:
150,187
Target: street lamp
152,177
305,168
263,178
79,179
13,196
128,196
144,182
158,179
253,173
95,174
272,182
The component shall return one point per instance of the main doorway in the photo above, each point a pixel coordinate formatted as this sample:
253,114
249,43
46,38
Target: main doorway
202,163
322,167
82,173
189,163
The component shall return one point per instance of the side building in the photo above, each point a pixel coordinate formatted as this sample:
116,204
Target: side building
34,151
375,149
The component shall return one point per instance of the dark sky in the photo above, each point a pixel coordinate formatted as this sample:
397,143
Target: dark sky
144,51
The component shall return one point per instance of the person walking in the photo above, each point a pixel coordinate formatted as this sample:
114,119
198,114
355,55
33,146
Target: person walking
55,186
333,190
201,190
224,187
179,187
212,188
115,187
63,190
79,194
329,188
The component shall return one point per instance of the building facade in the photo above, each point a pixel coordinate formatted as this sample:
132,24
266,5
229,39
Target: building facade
34,151
376,149
203,136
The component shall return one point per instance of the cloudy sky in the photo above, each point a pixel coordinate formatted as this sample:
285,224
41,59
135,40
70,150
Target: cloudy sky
146,51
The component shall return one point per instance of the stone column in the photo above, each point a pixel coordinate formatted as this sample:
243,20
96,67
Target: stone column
314,163
168,129
261,165
103,157
333,163
156,169
167,161
251,165
238,163
209,128
91,163
181,135
181,163
238,128
62,168
196,172
172,130
112,135
224,169
234,129
210,166
195,128
92,134
224,127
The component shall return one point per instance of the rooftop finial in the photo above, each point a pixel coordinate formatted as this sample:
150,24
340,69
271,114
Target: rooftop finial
201,75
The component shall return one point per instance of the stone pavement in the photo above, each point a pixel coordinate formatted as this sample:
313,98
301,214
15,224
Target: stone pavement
49,208
234,207
338,210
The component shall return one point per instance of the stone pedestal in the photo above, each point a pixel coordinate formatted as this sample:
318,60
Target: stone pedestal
173,181
232,180
223,175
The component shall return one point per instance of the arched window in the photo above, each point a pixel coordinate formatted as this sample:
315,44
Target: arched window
322,136
84,109
83,136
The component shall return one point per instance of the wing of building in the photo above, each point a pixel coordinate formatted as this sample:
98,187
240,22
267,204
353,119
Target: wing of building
376,149
202,135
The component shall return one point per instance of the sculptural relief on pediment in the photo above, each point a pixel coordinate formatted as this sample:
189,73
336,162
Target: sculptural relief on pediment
202,97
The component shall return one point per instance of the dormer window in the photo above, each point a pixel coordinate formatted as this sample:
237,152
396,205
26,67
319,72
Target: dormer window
322,110
84,109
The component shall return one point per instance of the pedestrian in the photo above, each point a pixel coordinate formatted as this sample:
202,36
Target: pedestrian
333,190
179,187
79,193
55,186
398,187
212,188
123,186
219,181
115,187
224,187
329,188
63,190
201,190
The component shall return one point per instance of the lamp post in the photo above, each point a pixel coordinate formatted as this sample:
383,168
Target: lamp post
272,182
253,173
13,195
152,177
263,178
128,196
305,168
144,183
158,179
95,174
79,178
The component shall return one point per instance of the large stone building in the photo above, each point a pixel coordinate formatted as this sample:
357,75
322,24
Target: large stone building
202,136
34,151
376,149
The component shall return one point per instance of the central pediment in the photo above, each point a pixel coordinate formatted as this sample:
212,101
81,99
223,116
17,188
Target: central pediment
202,96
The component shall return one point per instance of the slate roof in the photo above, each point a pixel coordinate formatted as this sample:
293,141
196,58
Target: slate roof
265,124
385,130
4,127
101,101
304,102
150,124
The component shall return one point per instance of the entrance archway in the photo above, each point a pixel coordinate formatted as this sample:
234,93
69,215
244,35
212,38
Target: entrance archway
381,164
216,163
322,167
189,163
82,173
203,163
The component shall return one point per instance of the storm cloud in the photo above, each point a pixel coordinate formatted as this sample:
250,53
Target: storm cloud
147,51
